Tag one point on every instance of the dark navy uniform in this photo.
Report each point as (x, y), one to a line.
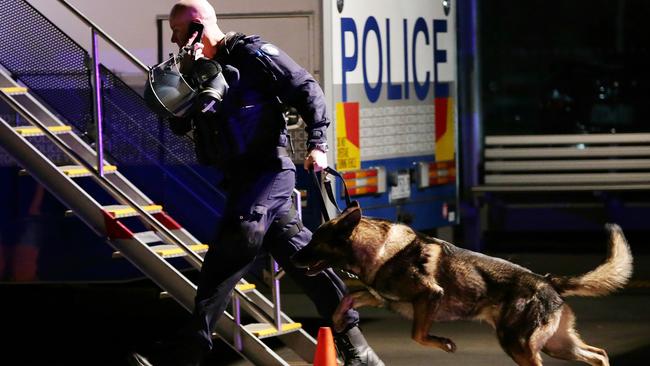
(260, 178)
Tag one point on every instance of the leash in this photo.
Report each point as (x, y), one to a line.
(328, 189)
(330, 194)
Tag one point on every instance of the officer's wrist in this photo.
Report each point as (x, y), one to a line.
(321, 147)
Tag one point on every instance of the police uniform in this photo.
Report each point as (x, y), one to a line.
(251, 149)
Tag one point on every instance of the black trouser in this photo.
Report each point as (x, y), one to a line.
(254, 203)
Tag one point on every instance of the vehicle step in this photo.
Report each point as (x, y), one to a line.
(264, 330)
(78, 171)
(148, 237)
(32, 131)
(122, 211)
(171, 251)
(14, 90)
(246, 287)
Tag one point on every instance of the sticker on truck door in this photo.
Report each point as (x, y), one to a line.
(348, 153)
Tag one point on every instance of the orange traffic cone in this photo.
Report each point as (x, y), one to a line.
(325, 352)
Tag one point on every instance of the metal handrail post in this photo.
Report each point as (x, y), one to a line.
(236, 314)
(275, 285)
(97, 102)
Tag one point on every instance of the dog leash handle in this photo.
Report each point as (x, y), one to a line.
(316, 181)
(329, 190)
(348, 201)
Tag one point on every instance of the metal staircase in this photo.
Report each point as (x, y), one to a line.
(121, 223)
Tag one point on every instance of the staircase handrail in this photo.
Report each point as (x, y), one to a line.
(105, 36)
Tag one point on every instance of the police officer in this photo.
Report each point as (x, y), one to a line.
(252, 144)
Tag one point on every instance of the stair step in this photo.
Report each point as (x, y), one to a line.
(171, 251)
(246, 287)
(31, 131)
(148, 237)
(78, 171)
(120, 211)
(264, 330)
(14, 90)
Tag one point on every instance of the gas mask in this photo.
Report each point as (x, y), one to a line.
(172, 93)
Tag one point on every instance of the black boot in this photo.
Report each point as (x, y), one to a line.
(353, 348)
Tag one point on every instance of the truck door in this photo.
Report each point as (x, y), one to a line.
(390, 76)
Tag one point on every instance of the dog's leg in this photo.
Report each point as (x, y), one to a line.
(424, 313)
(354, 300)
(520, 334)
(521, 349)
(566, 344)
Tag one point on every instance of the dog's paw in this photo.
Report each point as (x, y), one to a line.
(448, 345)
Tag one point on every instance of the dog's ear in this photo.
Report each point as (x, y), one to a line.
(349, 218)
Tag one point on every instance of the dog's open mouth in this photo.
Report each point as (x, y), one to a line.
(316, 268)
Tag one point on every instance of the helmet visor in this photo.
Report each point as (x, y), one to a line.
(166, 91)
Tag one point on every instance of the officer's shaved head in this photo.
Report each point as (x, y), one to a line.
(194, 10)
(186, 11)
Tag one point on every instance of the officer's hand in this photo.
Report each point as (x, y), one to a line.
(197, 49)
(317, 159)
(195, 53)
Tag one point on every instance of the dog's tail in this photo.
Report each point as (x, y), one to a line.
(606, 278)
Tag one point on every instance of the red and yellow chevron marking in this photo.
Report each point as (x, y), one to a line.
(444, 120)
(348, 152)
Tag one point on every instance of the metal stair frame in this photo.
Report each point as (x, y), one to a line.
(90, 212)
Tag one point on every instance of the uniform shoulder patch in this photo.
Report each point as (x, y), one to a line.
(270, 49)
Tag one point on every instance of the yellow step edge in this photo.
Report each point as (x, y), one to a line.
(126, 211)
(246, 287)
(35, 131)
(176, 251)
(170, 251)
(243, 288)
(75, 171)
(78, 171)
(14, 90)
(268, 330)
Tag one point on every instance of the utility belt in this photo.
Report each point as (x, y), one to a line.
(254, 162)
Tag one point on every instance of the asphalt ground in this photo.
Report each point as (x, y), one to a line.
(99, 324)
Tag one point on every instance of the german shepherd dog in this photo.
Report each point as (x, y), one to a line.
(427, 279)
